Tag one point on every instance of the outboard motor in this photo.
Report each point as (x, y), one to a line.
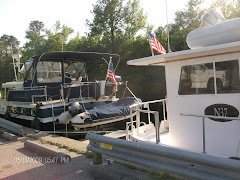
(75, 108)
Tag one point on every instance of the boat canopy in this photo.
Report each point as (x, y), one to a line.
(76, 56)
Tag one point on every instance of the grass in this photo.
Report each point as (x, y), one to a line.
(163, 176)
(89, 155)
(43, 141)
(129, 166)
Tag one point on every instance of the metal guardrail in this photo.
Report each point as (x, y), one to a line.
(172, 160)
(13, 127)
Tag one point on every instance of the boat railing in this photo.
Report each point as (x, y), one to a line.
(91, 90)
(44, 88)
(203, 124)
(35, 96)
(144, 107)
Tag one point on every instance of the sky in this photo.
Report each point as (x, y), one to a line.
(15, 15)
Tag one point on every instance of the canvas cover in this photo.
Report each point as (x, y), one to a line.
(113, 109)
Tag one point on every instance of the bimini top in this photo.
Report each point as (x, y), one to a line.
(77, 56)
(160, 60)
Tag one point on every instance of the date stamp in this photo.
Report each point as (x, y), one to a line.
(45, 160)
(27, 160)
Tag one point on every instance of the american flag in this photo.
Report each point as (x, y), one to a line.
(155, 44)
(111, 73)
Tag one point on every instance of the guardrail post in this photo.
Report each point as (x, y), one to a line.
(97, 158)
(157, 125)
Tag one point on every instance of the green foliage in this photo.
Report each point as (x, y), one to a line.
(163, 176)
(8, 46)
(129, 166)
(57, 37)
(229, 8)
(185, 21)
(115, 23)
(36, 40)
(35, 28)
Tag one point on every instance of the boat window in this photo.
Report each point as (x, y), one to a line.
(73, 69)
(197, 79)
(227, 76)
(30, 74)
(26, 70)
(49, 72)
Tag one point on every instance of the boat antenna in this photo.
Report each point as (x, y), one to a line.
(105, 60)
(117, 63)
(169, 50)
(62, 39)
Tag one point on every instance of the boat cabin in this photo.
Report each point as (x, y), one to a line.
(55, 75)
(202, 84)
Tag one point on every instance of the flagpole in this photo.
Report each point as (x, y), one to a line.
(108, 67)
(150, 44)
(169, 50)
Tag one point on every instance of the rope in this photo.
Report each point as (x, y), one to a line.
(133, 95)
(124, 91)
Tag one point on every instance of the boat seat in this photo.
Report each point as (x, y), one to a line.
(56, 79)
(145, 130)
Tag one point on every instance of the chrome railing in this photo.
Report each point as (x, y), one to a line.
(43, 95)
(137, 108)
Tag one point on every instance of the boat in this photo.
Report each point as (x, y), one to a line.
(201, 110)
(214, 30)
(51, 83)
(104, 114)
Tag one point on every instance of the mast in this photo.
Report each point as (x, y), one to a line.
(150, 43)
(169, 50)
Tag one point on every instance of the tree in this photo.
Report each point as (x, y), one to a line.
(107, 20)
(114, 22)
(229, 8)
(57, 38)
(35, 27)
(185, 21)
(8, 45)
(134, 19)
(36, 39)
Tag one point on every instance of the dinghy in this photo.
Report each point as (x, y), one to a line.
(214, 30)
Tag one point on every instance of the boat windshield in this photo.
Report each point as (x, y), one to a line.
(25, 68)
(74, 69)
(51, 72)
(48, 72)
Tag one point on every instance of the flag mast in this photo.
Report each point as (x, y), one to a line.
(169, 50)
(150, 43)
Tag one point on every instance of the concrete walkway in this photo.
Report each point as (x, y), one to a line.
(18, 162)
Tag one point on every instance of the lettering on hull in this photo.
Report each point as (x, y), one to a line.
(223, 110)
